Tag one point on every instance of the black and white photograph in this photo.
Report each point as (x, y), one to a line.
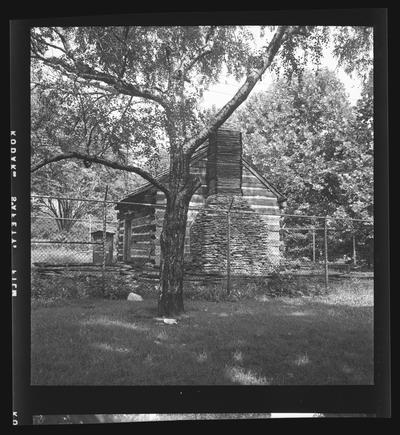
(202, 207)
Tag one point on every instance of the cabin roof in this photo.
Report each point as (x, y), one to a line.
(199, 154)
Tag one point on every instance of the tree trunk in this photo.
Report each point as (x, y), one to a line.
(181, 185)
(172, 242)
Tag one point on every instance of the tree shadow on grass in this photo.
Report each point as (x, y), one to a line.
(271, 343)
(325, 344)
(299, 345)
(140, 310)
(302, 345)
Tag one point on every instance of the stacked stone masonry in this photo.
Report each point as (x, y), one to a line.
(253, 241)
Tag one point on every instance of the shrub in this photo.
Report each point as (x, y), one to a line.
(56, 287)
(212, 292)
(80, 285)
(119, 287)
(280, 284)
(241, 289)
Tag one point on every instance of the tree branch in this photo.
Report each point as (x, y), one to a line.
(89, 141)
(54, 46)
(281, 34)
(204, 50)
(85, 71)
(195, 60)
(105, 162)
(210, 33)
(116, 125)
(65, 43)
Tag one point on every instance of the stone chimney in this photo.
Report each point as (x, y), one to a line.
(224, 163)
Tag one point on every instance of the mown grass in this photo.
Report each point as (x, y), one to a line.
(316, 340)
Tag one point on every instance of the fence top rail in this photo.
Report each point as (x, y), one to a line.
(72, 219)
(163, 206)
(65, 242)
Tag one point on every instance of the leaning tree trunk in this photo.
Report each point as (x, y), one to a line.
(172, 243)
(182, 185)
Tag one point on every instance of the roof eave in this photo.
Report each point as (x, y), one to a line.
(202, 152)
(264, 181)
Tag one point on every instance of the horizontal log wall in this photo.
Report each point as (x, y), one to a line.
(260, 198)
(120, 239)
(142, 240)
(137, 246)
(257, 189)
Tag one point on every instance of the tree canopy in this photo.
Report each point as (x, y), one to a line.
(305, 136)
(126, 94)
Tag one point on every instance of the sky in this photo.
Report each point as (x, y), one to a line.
(222, 92)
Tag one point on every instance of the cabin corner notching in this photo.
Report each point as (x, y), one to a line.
(229, 182)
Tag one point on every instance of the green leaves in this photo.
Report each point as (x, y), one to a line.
(306, 138)
(106, 91)
(354, 49)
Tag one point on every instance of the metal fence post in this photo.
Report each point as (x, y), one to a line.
(90, 228)
(326, 251)
(103, 269)
(313, 243)
(354, 251)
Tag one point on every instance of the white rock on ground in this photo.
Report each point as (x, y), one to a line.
(170, 321)
(167, 321)
(134, 297)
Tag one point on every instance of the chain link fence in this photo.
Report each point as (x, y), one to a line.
(82, 239)
(67, 240)
(334, 245)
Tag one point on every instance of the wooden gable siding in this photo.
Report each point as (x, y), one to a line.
(265, 202)
(260, 198)
(199, 168)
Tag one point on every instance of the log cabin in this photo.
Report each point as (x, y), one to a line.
(229, 183)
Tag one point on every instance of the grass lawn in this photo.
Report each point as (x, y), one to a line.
(280, 341)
